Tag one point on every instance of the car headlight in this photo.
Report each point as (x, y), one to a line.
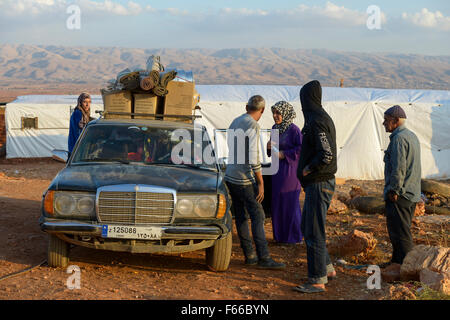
(64, 204)
(185, 207)
(86, 205)
(196, 206)
(205, 206)
(77, 205)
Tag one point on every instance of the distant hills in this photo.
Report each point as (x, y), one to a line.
(270, 66)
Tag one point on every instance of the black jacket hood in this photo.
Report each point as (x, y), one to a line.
(311, 97)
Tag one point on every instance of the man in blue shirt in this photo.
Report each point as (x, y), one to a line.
(79, 119)
(402, 176)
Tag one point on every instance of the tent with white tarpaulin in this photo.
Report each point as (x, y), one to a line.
(37, 124)
(356, 112)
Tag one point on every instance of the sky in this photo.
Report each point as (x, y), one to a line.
(399, 26)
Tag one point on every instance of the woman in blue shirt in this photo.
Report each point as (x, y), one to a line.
(79, 119)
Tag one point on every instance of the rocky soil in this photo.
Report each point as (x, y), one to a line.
(109, 275)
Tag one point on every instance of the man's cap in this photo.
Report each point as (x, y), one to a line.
(396, 112)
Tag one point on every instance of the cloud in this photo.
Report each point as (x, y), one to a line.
(149, 8)
(428, 19)
(302, 15)
(340, 15)
(30, 7)
(243, 12)
(49, 7)
(111, 7)
(337, 13)
(176, 12)
(330, 15)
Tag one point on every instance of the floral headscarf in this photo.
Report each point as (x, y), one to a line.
(86, 117)
(287, 114)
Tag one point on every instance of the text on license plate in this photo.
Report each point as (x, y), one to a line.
(131, 232)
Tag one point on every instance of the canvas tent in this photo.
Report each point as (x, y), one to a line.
(37, 124)
(357, 114)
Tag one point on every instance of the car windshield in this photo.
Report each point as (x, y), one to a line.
(139, 144)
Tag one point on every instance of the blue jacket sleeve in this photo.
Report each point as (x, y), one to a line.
(74, 129)
(398, 166)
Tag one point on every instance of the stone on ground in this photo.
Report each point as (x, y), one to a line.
(354, 243)
(436, 259)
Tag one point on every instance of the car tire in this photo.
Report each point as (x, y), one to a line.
(219, 255)
(58, 252)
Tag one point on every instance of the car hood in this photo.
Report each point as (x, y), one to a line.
(91, 177)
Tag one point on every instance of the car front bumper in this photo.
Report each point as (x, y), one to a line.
(174, 239)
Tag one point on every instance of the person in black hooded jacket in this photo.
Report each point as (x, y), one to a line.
(318, 156)
(316, 172)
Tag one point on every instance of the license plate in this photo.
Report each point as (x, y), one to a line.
(131, 232)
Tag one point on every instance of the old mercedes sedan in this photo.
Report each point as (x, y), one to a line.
(140, 186)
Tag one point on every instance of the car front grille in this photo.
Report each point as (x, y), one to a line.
(134, 207)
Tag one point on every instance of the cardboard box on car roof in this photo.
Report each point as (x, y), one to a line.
(146, 103)
(117, 101)
(180, 99)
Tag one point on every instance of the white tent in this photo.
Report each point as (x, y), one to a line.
(357, 114)
(358, 117)
(52, 114)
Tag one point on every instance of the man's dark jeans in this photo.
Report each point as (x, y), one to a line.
(317, 201)
(398, 220)
(244, 198)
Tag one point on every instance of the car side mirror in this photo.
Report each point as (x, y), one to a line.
(60, 155)
(222, 164)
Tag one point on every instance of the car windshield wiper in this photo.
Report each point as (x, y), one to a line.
(190, 165)
(195, 166)
(104, 160)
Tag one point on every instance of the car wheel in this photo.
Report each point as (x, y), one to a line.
(218, 256)
(58, 252)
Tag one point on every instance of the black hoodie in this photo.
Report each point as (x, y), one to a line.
(319, 138)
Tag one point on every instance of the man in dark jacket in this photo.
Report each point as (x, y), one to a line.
(316, 170)
(402, 176)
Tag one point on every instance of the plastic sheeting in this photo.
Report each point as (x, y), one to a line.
(53, 113)
(357, 114)
(358, 117)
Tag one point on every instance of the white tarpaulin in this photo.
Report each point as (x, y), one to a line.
(358, 117)
(53, 116)
(357, 114)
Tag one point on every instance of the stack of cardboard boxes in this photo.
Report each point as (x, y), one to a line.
(180, 100)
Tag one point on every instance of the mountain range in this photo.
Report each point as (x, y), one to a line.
(46, 65)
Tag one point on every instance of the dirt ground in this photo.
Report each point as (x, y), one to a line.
(110, 275)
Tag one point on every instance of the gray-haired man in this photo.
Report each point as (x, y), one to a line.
(245, 182)
(402, 182)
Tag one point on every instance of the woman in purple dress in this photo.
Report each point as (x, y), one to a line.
(286, 213)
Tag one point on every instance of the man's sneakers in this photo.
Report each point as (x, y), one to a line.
(309, 288)
(251, 261)
(269, 263)
(266, 263)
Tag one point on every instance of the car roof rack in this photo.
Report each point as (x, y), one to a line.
(156, 116)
